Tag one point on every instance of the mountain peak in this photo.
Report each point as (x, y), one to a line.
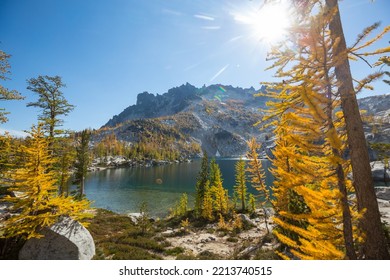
(176, 100)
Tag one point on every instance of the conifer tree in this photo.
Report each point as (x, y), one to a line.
(375, 243)
(213, 170)
(207, 208)
(181, 206)
(385, 60)
(240, 188)
(252, 203)
(308, 209)
(64, 160)
(51, 100)
(220, 194)
(301, 163)
(5, 153)
(82, 162)
(38, 204)
(257, 176)
(309, 94)
(6, 94)
(201, 184)
(183, 203)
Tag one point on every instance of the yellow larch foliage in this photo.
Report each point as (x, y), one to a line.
(219, 193)
(207, 208)
(315, 217)
(257, 176)
(36, 203)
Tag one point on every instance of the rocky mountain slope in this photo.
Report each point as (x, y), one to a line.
(218, 118)
(376, 118)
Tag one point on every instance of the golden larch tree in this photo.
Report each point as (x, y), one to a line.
(36, 203)
(257, 176)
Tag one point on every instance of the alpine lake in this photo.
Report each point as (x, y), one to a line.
(123, 190)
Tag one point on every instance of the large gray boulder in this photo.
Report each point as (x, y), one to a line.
(65, 240)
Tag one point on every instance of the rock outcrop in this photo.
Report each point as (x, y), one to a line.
(65, 240)
(383, 193)
(378, 172)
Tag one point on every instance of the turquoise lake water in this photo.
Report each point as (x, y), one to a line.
(124, 189)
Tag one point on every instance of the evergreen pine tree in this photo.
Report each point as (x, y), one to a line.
(213, 170)
(201, 184)
(240, 188)
(51, 100)
(82, 162)
(6, 94)
(65, 155)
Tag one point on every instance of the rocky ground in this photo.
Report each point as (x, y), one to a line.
(209, 239)
(245, 244)
(193, 242)
(383, 195)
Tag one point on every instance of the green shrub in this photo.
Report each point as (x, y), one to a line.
(174, 251)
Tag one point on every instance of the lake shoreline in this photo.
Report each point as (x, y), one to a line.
(111, 162)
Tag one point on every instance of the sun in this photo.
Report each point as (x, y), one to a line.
(269, 23)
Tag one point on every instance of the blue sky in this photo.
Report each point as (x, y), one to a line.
(109, 51)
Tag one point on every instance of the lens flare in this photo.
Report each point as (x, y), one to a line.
(270, 23)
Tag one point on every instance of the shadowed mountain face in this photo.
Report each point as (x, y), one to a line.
(218, 118)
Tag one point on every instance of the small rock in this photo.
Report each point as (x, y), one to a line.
(247, 251)
(246, 219)
(134, 217)
(383, 203)
(168, 232)
(383, 193)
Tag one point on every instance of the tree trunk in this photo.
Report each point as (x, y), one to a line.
(82, 187)
(341, 182)
(375, 243)
(347, 219)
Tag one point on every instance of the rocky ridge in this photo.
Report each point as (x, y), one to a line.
(220, 118)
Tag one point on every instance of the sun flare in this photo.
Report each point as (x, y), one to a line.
(269, 24)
